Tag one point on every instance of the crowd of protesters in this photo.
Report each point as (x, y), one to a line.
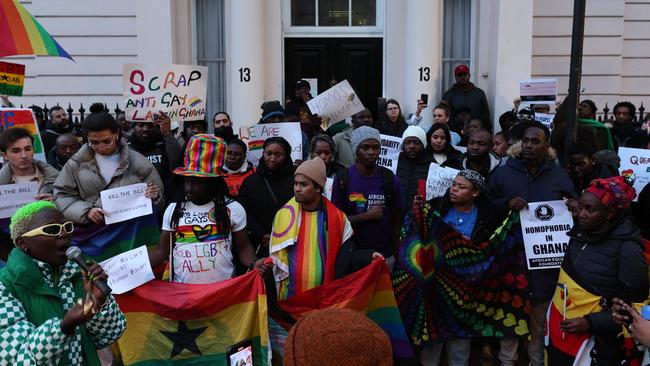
(195, 177)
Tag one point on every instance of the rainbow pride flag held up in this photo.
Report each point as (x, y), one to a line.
(21, 34)
(182, 324)
(101, 242)
(369, 291)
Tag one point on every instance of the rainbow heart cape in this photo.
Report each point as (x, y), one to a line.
(448, 286)
(183, 324)
(21, 34)
(368, 290)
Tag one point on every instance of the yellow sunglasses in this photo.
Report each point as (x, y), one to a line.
(51, 230)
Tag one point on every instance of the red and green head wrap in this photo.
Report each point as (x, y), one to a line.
(615, 192)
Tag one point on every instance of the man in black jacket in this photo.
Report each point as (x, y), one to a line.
(56, 126)
(413, 164)
(479, 156)
(465, 94)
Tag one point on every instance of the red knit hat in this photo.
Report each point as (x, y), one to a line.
(340, 337)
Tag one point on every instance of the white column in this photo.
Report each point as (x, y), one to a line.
(246, 61)
(422, 56)
(154, 30)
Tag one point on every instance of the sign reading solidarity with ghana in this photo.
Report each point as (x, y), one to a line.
(544, 226)
(178, 90)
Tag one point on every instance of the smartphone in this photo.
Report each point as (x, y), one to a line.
(424, 98)
(241, 354)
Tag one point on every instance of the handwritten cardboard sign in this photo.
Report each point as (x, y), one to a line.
(439, 180)
(635, 162)
(125, 203)
(178, 90)
(12, 78)
(391, 146)
(544, 226)
(23, 118)
(336, 103)
(128, 270)
(255, 135)
(15, 196)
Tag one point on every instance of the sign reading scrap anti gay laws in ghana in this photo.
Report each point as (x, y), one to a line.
(178, 90)
(12, 78)
(544, 226)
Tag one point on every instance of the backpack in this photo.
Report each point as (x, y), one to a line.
(386, 185)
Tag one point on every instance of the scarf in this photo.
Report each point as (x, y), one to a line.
(304, 246)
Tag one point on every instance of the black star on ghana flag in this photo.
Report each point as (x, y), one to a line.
(184, 338)
(4, 77)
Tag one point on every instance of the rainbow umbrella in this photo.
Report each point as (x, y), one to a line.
(21, 34)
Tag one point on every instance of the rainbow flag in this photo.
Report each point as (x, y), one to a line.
(369, 291)
(101, 242)
(12, 78)
(21, 34)
(23, 118)
(182, 324)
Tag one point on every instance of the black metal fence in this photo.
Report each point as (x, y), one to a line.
(605, 117)
(76, 118)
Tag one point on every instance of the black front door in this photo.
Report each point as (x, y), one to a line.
(330, 60)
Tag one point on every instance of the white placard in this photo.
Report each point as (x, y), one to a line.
(125, 203)
(537, 91)
(439, 180)
(545, 118)
(327, 191)
(336, 103)
(178, 90)
(313, 86)
(255, 135)
(128, 270)
(391, 146)
(544, 226)
(15, 196)
(636, 162)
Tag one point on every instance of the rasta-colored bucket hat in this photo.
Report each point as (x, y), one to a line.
(205, 156)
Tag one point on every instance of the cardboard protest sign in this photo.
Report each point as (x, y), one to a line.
(544, 226)
(439, 180)
(15, 196)
(336, 103)
(178, 90)
(12, 78)
(255, 135)
(635, 162)
(327, 190)
(128, 270)
(125, 203)
(537, 91)
(545, 118)
(391, 146)
(23, 118)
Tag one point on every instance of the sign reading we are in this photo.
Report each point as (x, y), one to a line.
(178, 90)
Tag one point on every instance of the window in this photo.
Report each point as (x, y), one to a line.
(334, 13)
(456, 38)
(211, 51)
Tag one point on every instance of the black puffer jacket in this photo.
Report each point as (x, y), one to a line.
(409, 172)
(608, 264)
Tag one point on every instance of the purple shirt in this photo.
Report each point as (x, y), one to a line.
(363, 193)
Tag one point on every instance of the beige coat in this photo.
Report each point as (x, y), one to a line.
(78, 187)
(48, 172)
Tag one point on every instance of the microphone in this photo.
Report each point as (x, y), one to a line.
(74, 254)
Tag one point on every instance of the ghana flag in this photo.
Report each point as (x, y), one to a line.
(368, 290)
(183, 324)
(12, 78)
(101, 242)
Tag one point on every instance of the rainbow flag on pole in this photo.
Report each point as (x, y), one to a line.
(369, 290)
(182, 324)
(21, 34)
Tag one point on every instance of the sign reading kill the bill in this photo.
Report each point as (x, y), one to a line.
(12, 78)
(544, 226)
(336, 103)
(178, 90)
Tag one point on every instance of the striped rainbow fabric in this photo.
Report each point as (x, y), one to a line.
(21, 34)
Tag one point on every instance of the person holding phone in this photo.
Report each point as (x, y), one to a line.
(416, 118)
(604, 260)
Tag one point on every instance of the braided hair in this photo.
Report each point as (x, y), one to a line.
(220, 198)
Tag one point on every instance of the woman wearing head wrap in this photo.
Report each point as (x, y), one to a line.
(44, 320)
(604, 259)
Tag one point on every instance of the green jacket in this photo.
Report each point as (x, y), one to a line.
(33, 306)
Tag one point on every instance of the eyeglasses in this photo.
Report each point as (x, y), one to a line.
(528, 117)
(50, 230)
(234, 154)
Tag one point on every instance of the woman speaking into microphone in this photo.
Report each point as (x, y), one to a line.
(50, 312)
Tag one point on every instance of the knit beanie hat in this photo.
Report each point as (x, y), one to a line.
(415, 131)
(339, 337)
(270, 109)
(362, 134)
(313, 169)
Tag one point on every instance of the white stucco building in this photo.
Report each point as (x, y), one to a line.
(255, 49)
